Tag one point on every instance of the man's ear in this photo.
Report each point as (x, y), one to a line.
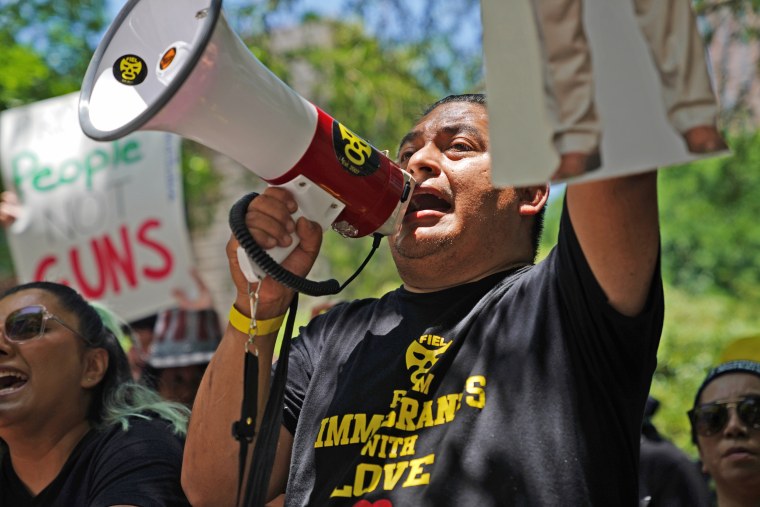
(95, 366)
(532, 199)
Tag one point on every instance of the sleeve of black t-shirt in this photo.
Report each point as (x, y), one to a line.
(620, 343)
(140, 466)
(614, 355)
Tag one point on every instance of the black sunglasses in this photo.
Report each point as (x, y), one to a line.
(29, 322)
(711, 418)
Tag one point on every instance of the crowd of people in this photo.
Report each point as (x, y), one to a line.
(487, 378)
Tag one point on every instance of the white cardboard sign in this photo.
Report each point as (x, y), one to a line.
(104, 217)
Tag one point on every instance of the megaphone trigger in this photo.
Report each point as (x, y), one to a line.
(246, 266)
(256, 263)
(314, 203)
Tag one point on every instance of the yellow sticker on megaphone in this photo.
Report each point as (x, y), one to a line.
(355, 154)
(130, 70)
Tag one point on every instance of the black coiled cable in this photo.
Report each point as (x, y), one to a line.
(272, 268)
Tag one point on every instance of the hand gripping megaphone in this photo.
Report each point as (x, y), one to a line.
(176, 66)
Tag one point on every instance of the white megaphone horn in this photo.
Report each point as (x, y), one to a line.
(176, 66)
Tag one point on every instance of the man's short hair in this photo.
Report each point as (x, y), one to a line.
(472, 98)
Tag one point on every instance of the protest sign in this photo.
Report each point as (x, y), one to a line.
(620, 80)
(106, 218)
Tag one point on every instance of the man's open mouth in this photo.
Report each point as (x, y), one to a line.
(427, 200)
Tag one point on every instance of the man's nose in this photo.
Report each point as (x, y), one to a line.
(425, 163)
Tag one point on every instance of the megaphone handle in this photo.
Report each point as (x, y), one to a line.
(252, 271)
(314, 203)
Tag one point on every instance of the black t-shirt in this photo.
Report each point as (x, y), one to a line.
(481, 395)
(140, 466)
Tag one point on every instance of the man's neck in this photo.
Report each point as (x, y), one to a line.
(434, 284)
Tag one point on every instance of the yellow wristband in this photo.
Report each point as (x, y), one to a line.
(263, 327)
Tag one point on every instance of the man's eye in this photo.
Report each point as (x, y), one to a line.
(461, 147)
(405, 155)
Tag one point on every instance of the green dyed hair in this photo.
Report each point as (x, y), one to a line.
(132, 399)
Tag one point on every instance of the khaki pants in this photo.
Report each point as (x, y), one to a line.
(669, 28)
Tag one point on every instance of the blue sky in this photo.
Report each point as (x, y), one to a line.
(327, 7)
(465, 29)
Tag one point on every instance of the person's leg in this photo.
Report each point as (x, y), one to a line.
(676, 47)
(569, 85)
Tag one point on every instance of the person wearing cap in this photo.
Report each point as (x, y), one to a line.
(183, 343)
(725, 426)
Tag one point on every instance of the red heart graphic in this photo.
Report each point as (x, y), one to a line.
(379, 503)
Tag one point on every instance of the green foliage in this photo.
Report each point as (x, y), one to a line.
(25, 74)
(443, 36)
(697, 328)
(46, 47)
(346, 255)
(710, 231)
(201, 186)
(551, 220)
(710, 244)
(377, 100)
(740, 8)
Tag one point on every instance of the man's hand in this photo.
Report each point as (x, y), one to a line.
(203, 301)
(270, 222)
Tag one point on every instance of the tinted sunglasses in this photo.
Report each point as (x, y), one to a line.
(711, 418)
(29, 323)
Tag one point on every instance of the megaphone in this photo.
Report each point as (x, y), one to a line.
(177, 66)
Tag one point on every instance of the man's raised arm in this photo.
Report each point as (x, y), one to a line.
(616, 222)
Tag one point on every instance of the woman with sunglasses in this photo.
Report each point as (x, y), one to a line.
(725, 425)
(75, 430)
